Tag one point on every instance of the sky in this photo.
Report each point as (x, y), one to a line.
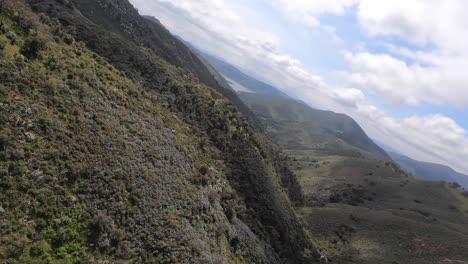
(399, 68)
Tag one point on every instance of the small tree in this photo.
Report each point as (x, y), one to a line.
(31, 48)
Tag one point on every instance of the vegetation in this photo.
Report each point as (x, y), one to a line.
(119, 144)
(110, 151)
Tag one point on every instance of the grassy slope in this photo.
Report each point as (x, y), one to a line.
(98, 166)
(358, 207)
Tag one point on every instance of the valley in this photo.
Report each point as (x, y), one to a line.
(122, 143)
(359, 206)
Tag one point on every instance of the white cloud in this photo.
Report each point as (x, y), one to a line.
(443, 82)
(434, 22)
(307, 11)
(332, 32)
(216, 26)
(433, 138)
(434, 74)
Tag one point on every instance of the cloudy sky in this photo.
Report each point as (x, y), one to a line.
(400, 68)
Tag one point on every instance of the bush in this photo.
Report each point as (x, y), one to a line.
(12, 37)
(102, 223)
(199, 179)
(40, 248)
(203, 170)
(2, 27)
(31, 48)
(68, 39)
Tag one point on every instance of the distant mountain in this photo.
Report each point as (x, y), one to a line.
(306, 127)
(222, 80)
(239, 80)
(429, 171)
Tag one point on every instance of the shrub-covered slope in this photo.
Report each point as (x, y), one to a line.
(111, 151)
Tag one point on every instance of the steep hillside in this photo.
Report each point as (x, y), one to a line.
(110, 151)
(429, 171)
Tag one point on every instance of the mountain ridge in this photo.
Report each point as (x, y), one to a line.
(239, 76)
(430, 171)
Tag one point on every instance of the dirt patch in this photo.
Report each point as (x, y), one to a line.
(426, 245)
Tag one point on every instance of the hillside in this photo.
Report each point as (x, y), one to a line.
(295, 125)
(358, 206)
(118, 145)
(429, 171)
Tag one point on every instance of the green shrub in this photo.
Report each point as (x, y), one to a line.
(32, 47)
(68, 39)
(203, 170)
(12, 37)
(3, 28)
(40, 249)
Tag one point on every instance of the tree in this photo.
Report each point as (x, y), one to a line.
(31, 48)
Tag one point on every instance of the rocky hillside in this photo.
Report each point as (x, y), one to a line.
(116, 144)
